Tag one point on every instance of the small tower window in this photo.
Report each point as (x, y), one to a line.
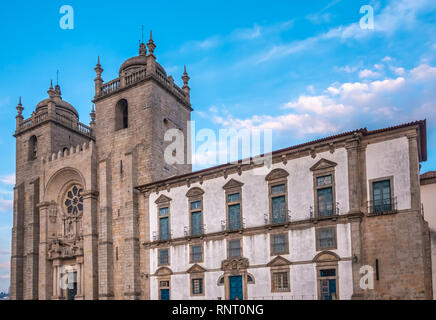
(121, 115)
(33, 148)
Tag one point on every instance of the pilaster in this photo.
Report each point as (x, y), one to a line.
(45, 274)
(90, 238)
(105, 244)
(415, 193)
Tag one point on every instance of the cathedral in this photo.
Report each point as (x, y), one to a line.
(99, 214)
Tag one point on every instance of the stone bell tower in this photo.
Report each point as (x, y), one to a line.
(53, 127)
(132, 114)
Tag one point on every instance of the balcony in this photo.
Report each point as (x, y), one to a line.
(162, 236)
(130, 80)
(276, 218)
(382, 207)
(43, 117)
(194, 231)
(232, 226)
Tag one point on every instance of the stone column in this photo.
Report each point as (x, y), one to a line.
(89, 222)
(32, 246)
(45, 277)
(16, 290)
(415, 193)
(79, 263)
(105, 242)
(353, 175)
(355, 171)
(131, 234)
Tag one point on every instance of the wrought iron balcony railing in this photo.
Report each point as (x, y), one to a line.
(232, 225)
(162, 236)
(383, 206)
(277, 217)
(195, 231)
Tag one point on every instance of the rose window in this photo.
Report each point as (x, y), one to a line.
(74, 200)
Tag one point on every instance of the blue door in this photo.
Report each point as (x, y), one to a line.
(328, 289)
(236, 288)
(165, 294)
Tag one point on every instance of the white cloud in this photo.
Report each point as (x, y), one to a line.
(398, 71)
(399, 15)
(301, 124)
(5, 277)
(423, 72)
(345, 103)
(6, 205)
(347, 69)
(247, 34)
(318, 18)
(318, 105)
(8, 179)
(367, 73)
(4, 265)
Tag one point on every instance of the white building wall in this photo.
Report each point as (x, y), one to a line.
(255, 205)
(428, 198)
(391, 158)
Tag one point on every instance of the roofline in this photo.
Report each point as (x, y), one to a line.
(422, 150)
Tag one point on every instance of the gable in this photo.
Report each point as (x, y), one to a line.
(163, 199)
(196, 269)
(326, 256)
(279, 262)
(163, 271)
(233, 184)
(276, 174)
(194, 192)
(323, 164)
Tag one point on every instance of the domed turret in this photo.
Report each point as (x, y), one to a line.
(62, 107)
(140, 62)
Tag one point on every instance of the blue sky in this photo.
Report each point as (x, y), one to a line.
(303, 69)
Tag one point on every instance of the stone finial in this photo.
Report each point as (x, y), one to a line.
(20, 108)
(98, 69)
(142, 49)
(92, 114)
(150, 45)
(186, 79)
(19, 117)
(51, 92)
(98, 79)
(58, 91)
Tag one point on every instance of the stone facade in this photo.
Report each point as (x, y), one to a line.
(87, 201)
(92, 251)
(393, 241)
(428, 195)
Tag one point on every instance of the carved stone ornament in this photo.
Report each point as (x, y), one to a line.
(162, 199)
(233, 184)
(323, 164)
(276, 174)
(65, 249)
(235, 264)
(194, 192)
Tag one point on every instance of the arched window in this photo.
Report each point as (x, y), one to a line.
(121, 115)
(33, 148)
